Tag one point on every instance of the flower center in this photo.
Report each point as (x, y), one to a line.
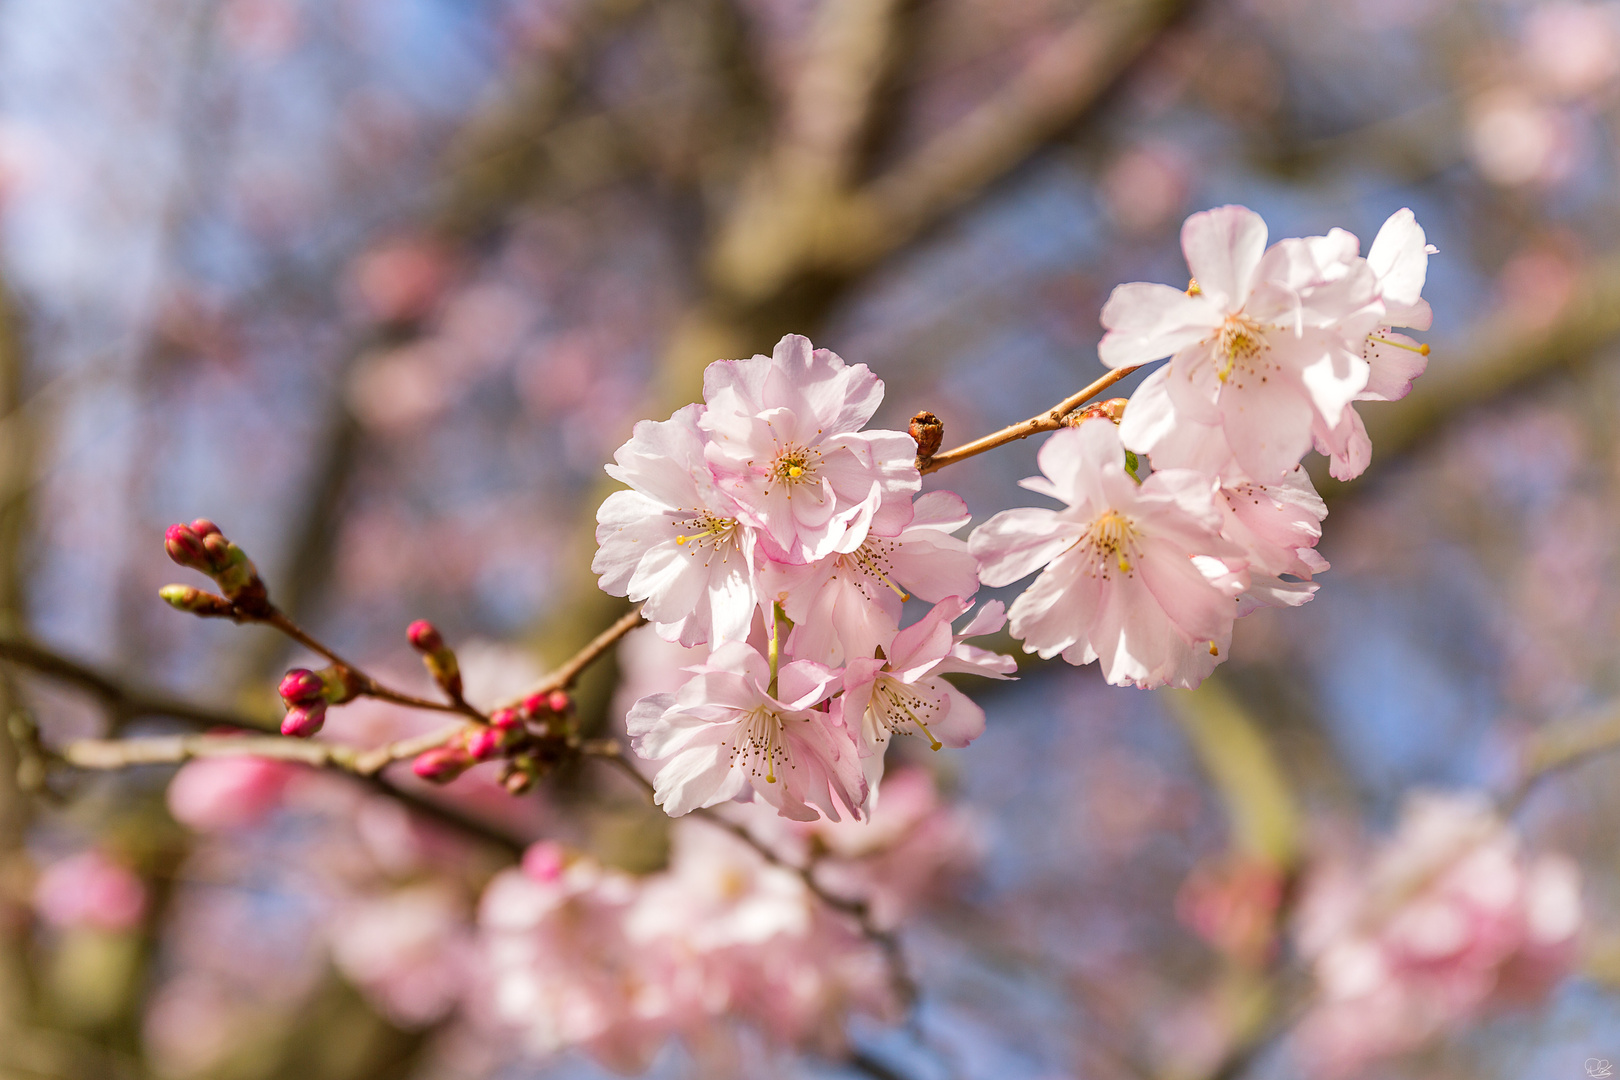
(714, 533)
(796, 464)
(760, 745)
(1113, 542)
(871, 560)
(1242, 341)
(896, 705)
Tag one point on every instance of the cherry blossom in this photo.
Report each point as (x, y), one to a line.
(1265, 346)
(674, 539)
(730, 728)
(786, 445)
(1451, 918)
(849, 603)
(903, 693)
(1136, 576)
(1400, 258)
(90, 890)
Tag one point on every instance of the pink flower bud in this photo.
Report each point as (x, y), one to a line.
(560, 702)
(185, 547)
(424, 637)
(302, 721)
(301, 686)
(484, 744)
(204, 527)
(505, 720)
(534, 706)
(544, 861)
(442, 764)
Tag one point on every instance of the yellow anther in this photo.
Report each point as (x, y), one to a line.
(1193, 288)
(1213, 651)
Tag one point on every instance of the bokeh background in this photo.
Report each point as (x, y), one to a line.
(379, 285)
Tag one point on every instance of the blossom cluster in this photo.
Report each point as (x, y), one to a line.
(583, 956)
(1269, 349)
(768, 524)
(1450, 919)
(771, 526)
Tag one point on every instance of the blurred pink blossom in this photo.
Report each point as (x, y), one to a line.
(411, 951)
(1448, 920)
(1146, 185)
(228, 793)
(90, 890)
(1517, 140)
(1571, 48)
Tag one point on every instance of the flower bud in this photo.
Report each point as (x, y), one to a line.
(534, 706)
(196, 602)
(484, 744)
(505, 720)
(203, 528)
(929, 431)
(301, 686)
(442, 764)
(424, 637)
(560, 702)
(302, 721)
(439, 658)
(185, 547)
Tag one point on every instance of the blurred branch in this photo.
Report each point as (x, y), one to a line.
(103, 754)
(1051, 92)
(1563, 746)
(1235, 754)
(121, 701)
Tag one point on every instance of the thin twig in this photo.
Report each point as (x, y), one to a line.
(564, 676)
(1050, 420)
(118, 699)
(1561, 747)
(368, 685)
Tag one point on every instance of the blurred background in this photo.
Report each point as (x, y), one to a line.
(379, 285)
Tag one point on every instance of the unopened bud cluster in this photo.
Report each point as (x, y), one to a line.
(308, 693)
(201, 546)
(439, 658)
(533, 736)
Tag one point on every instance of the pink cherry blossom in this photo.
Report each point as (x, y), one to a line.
(1265, 348)
(1450, 919)
(1277, 526)
(786, 445)
(849, 604)
(563, 973)
(1136, 576)
(1399, 257)
(674, 539)
(729, 729)
(410, 951)
(903, 692)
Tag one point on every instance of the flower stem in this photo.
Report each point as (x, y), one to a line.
(776, 642)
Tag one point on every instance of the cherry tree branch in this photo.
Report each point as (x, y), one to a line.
(569, 671)
(1050, 420)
